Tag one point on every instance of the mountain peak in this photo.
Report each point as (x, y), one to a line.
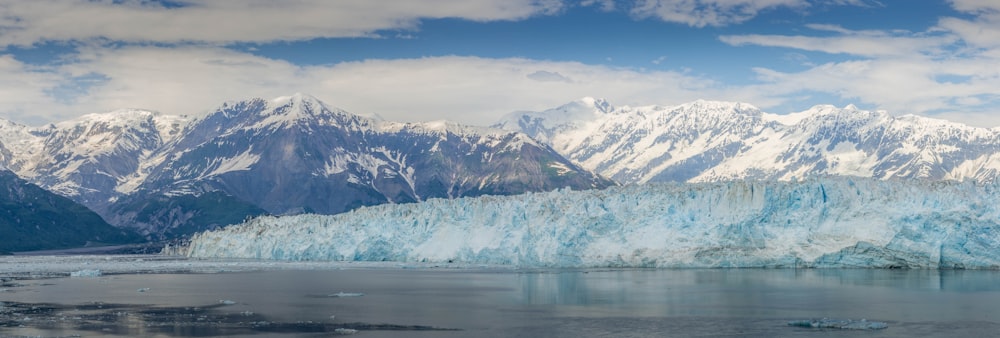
(296, 109)
(298, 99)
(702, 104)
(119, 117)
(590, 102)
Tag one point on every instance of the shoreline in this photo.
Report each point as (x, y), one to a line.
(61, 265)
(122, 249)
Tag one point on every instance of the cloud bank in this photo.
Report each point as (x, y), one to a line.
(176, 58)
(189, 80)
(30, 22)
(949, 70)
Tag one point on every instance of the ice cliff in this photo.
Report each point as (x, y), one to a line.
(827, 222)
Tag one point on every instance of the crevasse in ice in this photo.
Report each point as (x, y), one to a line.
(826, 222)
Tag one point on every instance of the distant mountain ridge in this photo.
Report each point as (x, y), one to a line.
(169, 176)
(713, 141)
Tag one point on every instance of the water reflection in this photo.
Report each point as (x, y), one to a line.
(745, 292)
(504, 303)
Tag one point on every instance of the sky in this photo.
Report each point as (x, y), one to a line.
(472, 61)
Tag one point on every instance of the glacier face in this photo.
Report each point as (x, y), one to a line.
(827, 222)
(715, 141)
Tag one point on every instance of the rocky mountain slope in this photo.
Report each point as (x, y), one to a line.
(32, 218)
(88, 158)
(170, 175)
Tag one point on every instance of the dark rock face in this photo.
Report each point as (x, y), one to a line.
(32, 218)
(182, 215)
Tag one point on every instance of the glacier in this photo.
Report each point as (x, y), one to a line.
(823, 222)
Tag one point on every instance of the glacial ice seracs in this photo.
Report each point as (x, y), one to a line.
(824, 222)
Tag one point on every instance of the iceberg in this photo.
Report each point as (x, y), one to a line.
(345, 294)
(86, 273)
(822, 222)
(844, 324)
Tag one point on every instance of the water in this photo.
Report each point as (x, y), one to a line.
(555, 303)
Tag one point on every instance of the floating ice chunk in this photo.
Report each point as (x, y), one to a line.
(86, 273)
(227, 302)
(845, 324)
(142, 290)
(346, 294)
(343, 331)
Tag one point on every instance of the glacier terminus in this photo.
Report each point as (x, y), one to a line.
(819, 222)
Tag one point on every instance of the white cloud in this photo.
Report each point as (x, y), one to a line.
(193, 79)
(981, 33)
(950, 70)
(21, 88)
(861, 43)
(980, 118)
(604, 5)
(978, 7)
(30, 22)
(542, 75)
(702, 13)
(961, 89)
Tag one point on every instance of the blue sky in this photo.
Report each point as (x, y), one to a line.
(474, 60)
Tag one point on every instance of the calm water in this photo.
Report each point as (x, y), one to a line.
(559, 303)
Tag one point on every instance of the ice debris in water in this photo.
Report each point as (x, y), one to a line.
(845, 324)
(346, 294)
(85, 273)
(142, 290)
(343, 331)
(226, 302)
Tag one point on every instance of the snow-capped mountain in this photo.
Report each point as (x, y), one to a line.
(87, 158)
(826, 222)
(171, 175)
(711, 141)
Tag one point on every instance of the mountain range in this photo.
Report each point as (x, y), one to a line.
(168, 176)
(716, 141)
